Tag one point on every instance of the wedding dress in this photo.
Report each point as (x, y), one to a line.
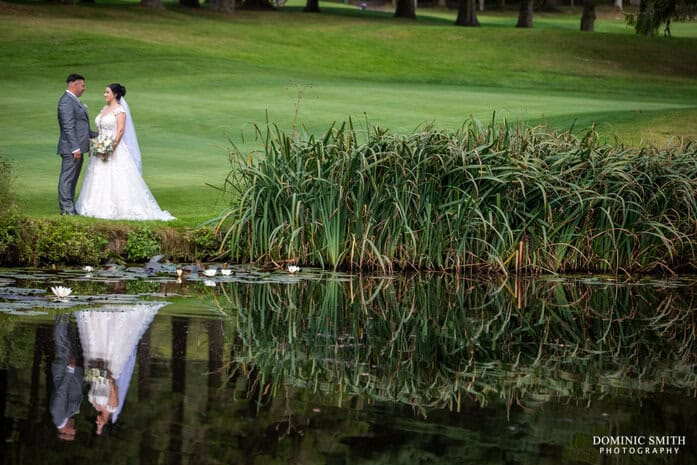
(111, 333)
(114, 189)
(109, 336)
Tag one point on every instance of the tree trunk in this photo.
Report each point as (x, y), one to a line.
(151, 3)
(222, 6)
(405, 9)
(481, 5)
(618, 5)
(312, 6)
(467, 14)
(588, 16)
(189, 3)
(549, 5)
(502, 5)
(257, 5)
(525, 13)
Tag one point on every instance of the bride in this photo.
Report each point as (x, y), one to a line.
(113, 187)
(109, 336)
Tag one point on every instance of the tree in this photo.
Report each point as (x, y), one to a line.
(467, 14)
(257, 5)
(655, 13)
(222, 6)
(406, 9)
(312, 6)
(189, 3)
(151, 3)
(588, 16)
(525, 13)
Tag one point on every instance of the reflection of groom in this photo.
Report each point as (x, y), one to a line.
(74, 141)
(67, 381)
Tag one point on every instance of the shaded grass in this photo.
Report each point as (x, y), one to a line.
(196, 78)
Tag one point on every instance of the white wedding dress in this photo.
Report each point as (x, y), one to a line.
(110, 335)
(114, 189)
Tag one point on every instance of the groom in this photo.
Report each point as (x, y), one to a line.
(74, 141)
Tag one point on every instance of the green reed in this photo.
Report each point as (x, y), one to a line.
(482, 198)
(437, 341)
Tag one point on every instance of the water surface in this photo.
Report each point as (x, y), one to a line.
(322, 368)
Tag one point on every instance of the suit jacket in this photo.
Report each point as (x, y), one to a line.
(67, 393)
(74, 123)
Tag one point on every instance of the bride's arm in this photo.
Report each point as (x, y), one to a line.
(120, 127)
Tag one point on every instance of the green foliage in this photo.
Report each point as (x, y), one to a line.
(486, 198)
(33, 241)
(141, 244)
(204, 242)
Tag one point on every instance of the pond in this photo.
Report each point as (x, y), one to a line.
(265, 367)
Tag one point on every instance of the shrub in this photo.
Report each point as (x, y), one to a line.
(486, 198)
(35, 241)
(141, 244)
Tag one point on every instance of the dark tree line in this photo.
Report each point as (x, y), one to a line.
(652, 15)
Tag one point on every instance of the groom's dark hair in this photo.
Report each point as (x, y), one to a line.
(74, 77)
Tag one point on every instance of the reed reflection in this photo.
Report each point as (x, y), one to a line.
(436, 341)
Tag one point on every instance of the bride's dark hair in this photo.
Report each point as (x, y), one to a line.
(118, 90)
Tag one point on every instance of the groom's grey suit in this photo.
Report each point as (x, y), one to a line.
(67, 381)
(75, 134)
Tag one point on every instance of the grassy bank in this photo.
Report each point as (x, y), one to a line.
(196, 79)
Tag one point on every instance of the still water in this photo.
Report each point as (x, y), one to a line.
(321, 368)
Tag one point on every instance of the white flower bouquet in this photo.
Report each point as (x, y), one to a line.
(102, 146)
(99, 375)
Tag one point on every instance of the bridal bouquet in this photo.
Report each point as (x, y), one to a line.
(102, 146)
(96, 374)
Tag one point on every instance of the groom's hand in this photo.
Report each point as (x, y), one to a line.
(77, 154)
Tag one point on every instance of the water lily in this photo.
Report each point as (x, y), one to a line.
(293, 269)
(226, 272)
(61, 292)
(180, 272)
(210, 272)
(88, 269)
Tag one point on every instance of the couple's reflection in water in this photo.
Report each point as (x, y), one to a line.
(100, 362)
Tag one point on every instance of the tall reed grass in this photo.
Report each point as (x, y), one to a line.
(485, 198)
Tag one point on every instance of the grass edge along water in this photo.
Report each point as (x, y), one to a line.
(482, 198)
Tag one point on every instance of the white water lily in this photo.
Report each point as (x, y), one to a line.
(180, 272)
(61, 292)
(293, 269)
(226, 272)
(88, 269)
(210, 272)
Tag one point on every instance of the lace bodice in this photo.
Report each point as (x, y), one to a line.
(106, 123)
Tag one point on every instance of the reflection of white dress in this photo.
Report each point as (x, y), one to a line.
(111, 333)
(114, 189)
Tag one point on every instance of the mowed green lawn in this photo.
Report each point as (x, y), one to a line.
(196, 80)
